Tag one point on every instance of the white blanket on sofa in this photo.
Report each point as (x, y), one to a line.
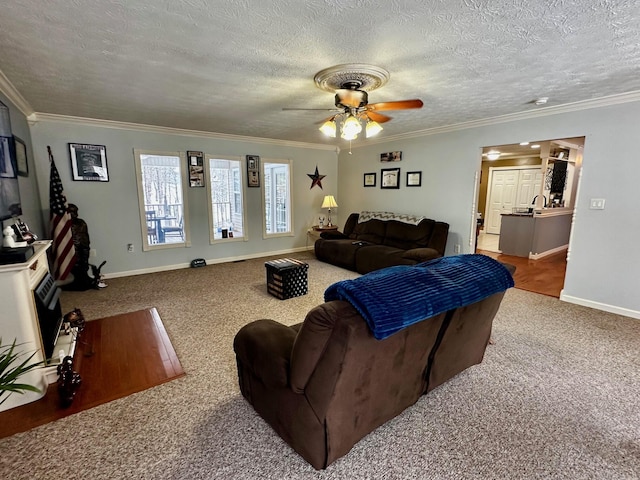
(412, 219)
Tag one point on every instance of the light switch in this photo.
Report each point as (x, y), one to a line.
(597, 204)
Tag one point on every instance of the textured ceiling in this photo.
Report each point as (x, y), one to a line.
(230, 66)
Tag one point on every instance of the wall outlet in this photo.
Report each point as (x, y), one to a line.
(92, 253)
(130, 247)
(596, 204)
(456, 248)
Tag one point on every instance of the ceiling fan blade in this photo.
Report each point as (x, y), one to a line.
(377, 117)
(315, 109)
(399, 105)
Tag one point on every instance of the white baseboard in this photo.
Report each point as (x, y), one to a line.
(178, 266)
(600, 306)
(536, 256)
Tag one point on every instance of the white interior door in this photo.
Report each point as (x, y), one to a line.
(502, 197)
(529, 185)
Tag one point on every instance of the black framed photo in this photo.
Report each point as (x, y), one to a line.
(195, 161)
(21, 157)
(414, 179)
(370, 179)
(253, 170)
(89, 162)
(390, 178)
(391, 156)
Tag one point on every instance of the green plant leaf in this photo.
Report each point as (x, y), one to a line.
(10, 371)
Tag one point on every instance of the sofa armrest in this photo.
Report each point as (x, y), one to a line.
(333, 235)
(421, 254)
(264, 347)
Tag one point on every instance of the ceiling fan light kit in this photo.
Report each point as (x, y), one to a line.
(351, 83)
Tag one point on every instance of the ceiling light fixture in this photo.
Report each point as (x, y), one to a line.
(350, 125)
(535, 145)
(524, 143)
(541, 101)
(493, 155)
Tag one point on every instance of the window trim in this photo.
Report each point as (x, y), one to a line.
(291, 231)
(146, 247)
(243, 191)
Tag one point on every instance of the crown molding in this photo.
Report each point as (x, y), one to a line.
(511, 117)
(96, 122)
(12, 93)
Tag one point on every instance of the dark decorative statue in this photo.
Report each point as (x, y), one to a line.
(82, 243)
(68, 381)
(75, 318)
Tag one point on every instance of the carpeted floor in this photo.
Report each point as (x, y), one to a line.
(557, 396)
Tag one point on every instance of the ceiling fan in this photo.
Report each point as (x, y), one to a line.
(351, 82)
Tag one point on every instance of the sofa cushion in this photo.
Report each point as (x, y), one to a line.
(311, 342)
(341, 253)
(372, 231)
(406, 236)
(421, 254)
(264, 347)
(375, 257)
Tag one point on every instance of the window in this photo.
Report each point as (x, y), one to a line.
(226, 193)
(277, 197)
(161, 185)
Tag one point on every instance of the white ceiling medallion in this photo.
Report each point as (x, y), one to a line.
(348, 75)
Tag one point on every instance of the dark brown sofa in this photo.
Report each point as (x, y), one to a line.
(365, 246)
(326, 383)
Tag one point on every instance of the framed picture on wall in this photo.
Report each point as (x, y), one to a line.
(390, 178)
(414, 179)
(391, 156)
(370, 179)
(89, 162)
(21, 157)
(253, 170)
(195, 161)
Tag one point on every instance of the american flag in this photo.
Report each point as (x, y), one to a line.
(64, 253)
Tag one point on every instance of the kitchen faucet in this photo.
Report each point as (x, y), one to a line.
(533, 202)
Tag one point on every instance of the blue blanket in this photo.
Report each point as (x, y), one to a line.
(396, 297)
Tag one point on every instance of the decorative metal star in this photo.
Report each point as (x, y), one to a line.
(316, 178)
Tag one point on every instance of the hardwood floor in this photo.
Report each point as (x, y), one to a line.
(545, 276)
(116, 356)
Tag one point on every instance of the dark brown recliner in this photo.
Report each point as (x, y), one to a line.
(326, 383)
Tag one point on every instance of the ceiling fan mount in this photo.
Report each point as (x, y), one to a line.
(348, 75)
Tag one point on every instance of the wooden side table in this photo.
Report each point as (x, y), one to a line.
(318, 228)
(314, 232)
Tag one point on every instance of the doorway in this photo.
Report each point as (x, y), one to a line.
(512, 178)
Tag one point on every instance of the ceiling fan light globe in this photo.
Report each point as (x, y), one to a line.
(351, 126)
(373, 128)
(329, 128)
(348, 136)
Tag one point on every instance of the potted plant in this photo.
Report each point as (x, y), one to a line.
(11, 369)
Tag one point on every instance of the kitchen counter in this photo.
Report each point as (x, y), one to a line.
(537, 234)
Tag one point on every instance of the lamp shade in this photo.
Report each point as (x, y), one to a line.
(373, 128)
(329, 202)
(329, 128)
(351, 128)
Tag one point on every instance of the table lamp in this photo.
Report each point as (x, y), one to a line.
(329, 202)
